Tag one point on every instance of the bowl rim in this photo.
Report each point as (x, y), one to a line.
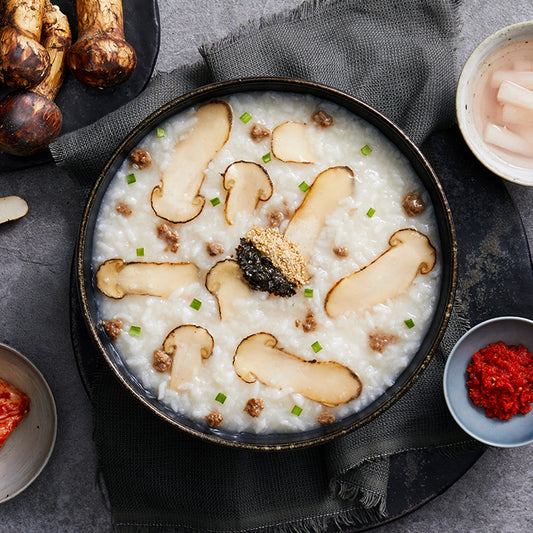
(507, 171)
(446, 379)
(53, 408)
(386, 127)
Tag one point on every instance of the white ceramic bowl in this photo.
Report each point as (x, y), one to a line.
(466, 95)
(29, 446)
(517, 431)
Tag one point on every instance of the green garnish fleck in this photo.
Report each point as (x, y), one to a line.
(215, 201)
(221, 398)
(370, 212)
(409, 323)
(245, 117)
(135, 331)
(304, 187)
(267, 158)
(196, 304)
(140, 252)
(308, 293)
(316, 346)
(296, 410)
(130, 178)
(366, 149)
(160, 132)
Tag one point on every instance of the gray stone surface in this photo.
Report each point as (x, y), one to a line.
(36, 253)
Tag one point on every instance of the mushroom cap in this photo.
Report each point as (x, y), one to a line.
(28, 122)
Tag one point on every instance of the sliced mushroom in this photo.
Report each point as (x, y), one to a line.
(225, 281)
(188, 345)
(247, 184)
(177, 198)
(258, 358)
(12, 208)
(389, 275)
(116, 278)
(290, 143)
(328, 189)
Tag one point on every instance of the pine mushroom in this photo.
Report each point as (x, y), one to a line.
(247, 184)
(101, 57)
(177, 198)
(30, 120)
(258, 358)
(12, 208)
(388, 276)
(116, 278)
(24, 61)
(290, 143)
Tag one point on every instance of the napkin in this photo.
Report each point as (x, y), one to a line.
(397, 56)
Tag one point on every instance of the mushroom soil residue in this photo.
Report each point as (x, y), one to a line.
(218, 299)
(501, 380)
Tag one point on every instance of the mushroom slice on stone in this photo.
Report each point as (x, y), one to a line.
(225, 281)
(258, 358)
(247, 184)
(328, 189)
(12, 208)
(177, 197)
(116, 278)
(188, 345)
(388, 276)
(290, 143)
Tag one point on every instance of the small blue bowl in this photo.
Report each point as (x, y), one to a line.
(517, 431)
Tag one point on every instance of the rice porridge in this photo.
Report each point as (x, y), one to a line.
(246, 239)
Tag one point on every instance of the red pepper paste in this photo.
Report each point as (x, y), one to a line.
(501, 380)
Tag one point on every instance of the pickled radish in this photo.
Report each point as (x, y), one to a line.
(511, 93)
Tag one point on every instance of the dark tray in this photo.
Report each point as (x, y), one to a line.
(82, 105)
(495, 278)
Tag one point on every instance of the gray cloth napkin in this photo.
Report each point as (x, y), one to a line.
(397, 56)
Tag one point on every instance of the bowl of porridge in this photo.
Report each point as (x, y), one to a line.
(267, 263)
(494, 103)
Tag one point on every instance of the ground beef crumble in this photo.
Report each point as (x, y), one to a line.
(162, 361)
(113, 328)
(413, 204)
(378, 341)
(254, 406)
(259, 132)
(341, 251)
(140, 159)
(325, 418)
(309, 323)
(170, 236)
(322, 119)
(214, 419)
(124, 209)
(214, 248)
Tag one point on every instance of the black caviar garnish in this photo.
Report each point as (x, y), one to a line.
(259, 271)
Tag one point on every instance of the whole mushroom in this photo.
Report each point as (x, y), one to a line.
(30, 120)
(101, 57)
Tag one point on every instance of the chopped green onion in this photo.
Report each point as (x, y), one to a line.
(245, 117)
(135, 331)
(370, 212)
(215, 201)
(130, 178)
(160, 132)
(267, 158)
(366, 149)
(296, 410)
(308, 293)
(220, 397)
(304, 187)
(140, 252)
(316, 346)
(409, 323)
(196, 304)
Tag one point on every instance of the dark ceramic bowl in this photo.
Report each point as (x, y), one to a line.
(274, 441)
